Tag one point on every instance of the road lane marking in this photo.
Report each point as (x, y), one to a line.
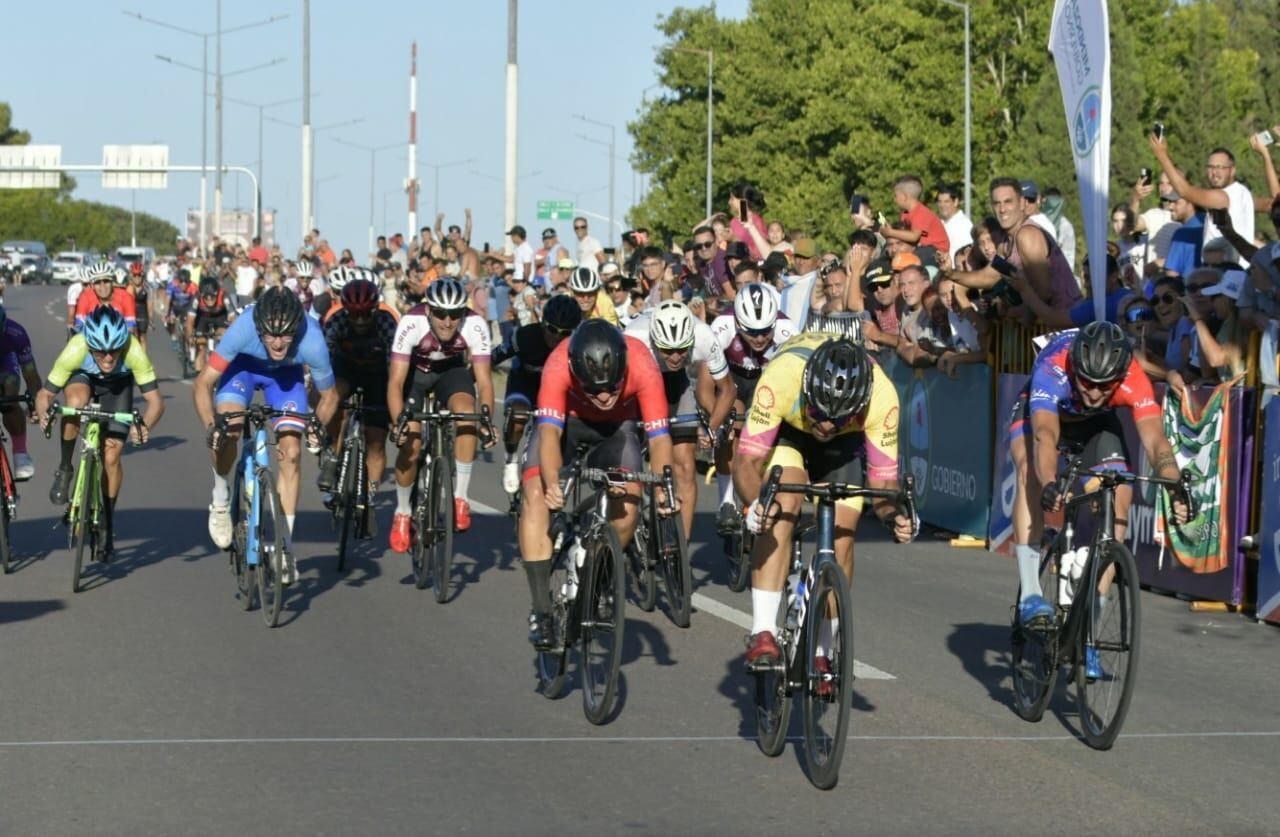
(732, 615)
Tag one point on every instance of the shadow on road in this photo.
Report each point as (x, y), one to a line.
(24, 610)
(641, 635)
(983, 649)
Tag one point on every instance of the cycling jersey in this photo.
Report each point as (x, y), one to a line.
(215, 310)
(743, 361)
(76, 358)
(308, 348)
(15, 347)
(1052, 388)
(367, 350)
(181, 293)
(706, 349)
(605, 309)
(121, 300)
(641, 396)
(527, 349)
(416, 343)
(777, 402)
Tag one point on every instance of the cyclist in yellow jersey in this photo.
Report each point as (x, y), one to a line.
(101, 365)
(584, 284)
(819, 405)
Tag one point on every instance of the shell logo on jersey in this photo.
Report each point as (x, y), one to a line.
(765, 397)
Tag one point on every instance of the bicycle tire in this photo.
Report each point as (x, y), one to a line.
(677, 574)
(1034, 653)
(442, 548)
(270, 563)
(773, 708)
(81, 532)
(603, 629)
(644, 580)
(1117, 635)
(246, 583)
(10, 489)
(553, 666)
(421, 499)
(737, 550)
(346, 501)
(824, 748)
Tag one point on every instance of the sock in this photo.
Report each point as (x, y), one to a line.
(20, 442)
(68, 448)
(539, 575)
(404, 504)
(511, 453)
(764, 610)
(109, 503)
(725, 484)
(1028, 570)
(464, 480)
(221, 491)
(288, 530)
(826, 636)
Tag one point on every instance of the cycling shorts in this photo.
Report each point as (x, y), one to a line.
(114, 394)
(835, 460)
(206, 324)
(443, 385)
(682, 406)
(283, 388)
(1101, 434)
(522, 388)
(374, 380)
(746, 389)
(614, 445)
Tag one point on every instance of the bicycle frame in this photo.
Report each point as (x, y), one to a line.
(254, 465)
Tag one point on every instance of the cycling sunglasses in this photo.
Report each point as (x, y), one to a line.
(595, 389)
(817, 417)
(558, 332)
(448, 313)
(756, 332)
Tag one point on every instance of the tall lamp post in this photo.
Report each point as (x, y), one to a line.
(612, 144)
(711, 59)
(968, 107)
(373, 153)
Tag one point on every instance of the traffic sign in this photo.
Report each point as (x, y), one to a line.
(135, 166)
(35, 157)
(555, 210)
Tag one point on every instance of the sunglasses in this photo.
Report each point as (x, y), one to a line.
(1093, 386)
(602, 390)
(1139, 314)
(818, 417)
(756, 332)
(557, 332)
(1166, 299)
(576, 227)
(705, 245)
(613, 289)
(448, 313)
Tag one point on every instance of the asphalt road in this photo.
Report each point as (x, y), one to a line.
(151, 704)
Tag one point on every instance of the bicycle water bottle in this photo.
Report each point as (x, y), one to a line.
(577, 556)
(1070, 565)
(795, 601)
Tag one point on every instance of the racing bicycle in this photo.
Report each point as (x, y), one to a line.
(8, 483)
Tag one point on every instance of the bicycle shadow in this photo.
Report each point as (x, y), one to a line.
(318, 572)
(160, 443)
(639, 636)
(983, 649)
(21, 611)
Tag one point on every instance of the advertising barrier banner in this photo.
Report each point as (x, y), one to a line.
(945, 442)
(1269, 533)
(1001, 514)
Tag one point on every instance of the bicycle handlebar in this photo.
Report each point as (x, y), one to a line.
(92, 412)
(445, 416)
(259, 414)
(1108, 478)
(904, 497)
(25, 398)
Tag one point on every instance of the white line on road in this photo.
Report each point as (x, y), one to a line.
(732, 615)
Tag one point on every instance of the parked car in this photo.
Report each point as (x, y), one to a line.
(66, 266)
(35, 269)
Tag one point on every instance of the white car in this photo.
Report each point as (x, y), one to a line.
(67, 266)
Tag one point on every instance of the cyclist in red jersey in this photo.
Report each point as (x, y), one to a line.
(596, 388)
(102, 284)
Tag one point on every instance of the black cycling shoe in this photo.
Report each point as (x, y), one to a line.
(542, 631)
(61, 485)
(727, 520)
(328, 471)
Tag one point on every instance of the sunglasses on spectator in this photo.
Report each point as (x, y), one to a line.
(558, 332)
(613, 289)
(1139, 314)
(705, 245)
(579, 226)
(1167, 299)
(448, 313)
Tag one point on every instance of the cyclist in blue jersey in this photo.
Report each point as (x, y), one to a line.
(180, 292)
(266, 349)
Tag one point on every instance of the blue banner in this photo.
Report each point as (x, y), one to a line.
(1001, 529)
(1269, 533)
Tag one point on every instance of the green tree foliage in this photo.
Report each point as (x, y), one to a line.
(817, 100)
(54, 217)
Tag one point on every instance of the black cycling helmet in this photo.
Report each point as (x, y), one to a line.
(1101, 353)
(598, 356)
(837, 379)
(208, 287)
(277, 313)
(562, 314)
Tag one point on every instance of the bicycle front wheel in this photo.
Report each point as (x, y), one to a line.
(828, 665)
(346, 501)
(83, 534)
(246, 585)
(677, 575)
(271, 551)
(1034, 652)
(1112, 631)
(442, 522)
(553, 665)
(640, 558)
(603, 611)
(5, 547)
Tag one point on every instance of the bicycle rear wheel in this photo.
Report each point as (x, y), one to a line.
(442, 522)
(603, 614)
(6, 481)
(271, 551)
(1034, 652)
(1113, 629)
(828, 694)
(673, 555)
(640, 558)
(346, 501)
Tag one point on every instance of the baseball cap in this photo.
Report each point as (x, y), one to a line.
(1230, 284)
(1170, 195)
(517, 230)
(609, 269)
(1030, 190)
(805, 248)
(904, 260)
(878, 273)
(566, 263)
(737, 250)
(549, 232)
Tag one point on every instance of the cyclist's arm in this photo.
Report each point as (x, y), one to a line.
(155, 407)
(549, 459)
(483, 373)
(716, 395)
(1045, 427)
(880, 429)
(327, 406)
(189, 326)
(1156, 444)
(398, 373)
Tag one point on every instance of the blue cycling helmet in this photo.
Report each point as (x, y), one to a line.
(105, 330)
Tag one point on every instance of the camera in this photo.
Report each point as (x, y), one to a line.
(1158, 130)
(1145, 178)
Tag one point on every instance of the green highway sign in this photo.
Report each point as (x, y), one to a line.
(555, 210)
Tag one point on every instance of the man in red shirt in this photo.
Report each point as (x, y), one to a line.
(105, 292)
(595, 387)
(927, 229)
(258, 253)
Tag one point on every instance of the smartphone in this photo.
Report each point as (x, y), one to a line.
(1265, 138)
(1002, 266)
(1158, 130)
(1146, 176)
(486, 247)
(880, 219)
(743, 211)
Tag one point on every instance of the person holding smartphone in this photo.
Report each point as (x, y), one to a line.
(1224, 192)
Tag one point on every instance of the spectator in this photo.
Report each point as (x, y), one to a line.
(988, 238)
(1153, 220)
(1219, 348)
(1184, 254)
(524, 303)
(590, 252)
(1081, 313)
(347, 258)
(709, 259)
(1259, 301)
(796, 296)
(1031, 207)
(522, 259)
(257, 253)
(923, 228)
(1132, 244)
(954, 221)
(746, 221)
(1225, 193)
(555, 251)
(1053, 206)
(399, 255)
(1263, 203)
(882, 285)
(1137, 317)
(619, 289)
(928, 330)
(1172, 328)
(778, 241)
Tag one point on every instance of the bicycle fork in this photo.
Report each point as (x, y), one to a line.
(255, 461)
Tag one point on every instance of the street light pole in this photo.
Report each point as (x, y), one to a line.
(509, 182)
(308, 138)
(968, 107)
(613, 135)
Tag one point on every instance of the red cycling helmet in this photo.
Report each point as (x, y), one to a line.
(135, 268)
(360, 296)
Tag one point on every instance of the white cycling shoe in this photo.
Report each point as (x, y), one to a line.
(220, 525)
(511, 477)
(23, 467)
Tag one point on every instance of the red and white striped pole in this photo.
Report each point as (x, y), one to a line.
(411, 184)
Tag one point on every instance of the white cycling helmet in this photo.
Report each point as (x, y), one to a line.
(446, 293)
(671, 326)
(584, 280)
(99, 270)
(754, 308)
(338, 278)
(305, 269)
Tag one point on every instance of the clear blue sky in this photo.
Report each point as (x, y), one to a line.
(82, 75)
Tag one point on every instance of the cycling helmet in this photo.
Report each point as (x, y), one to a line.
(208, 286)
(122, 276)
(446, 293)
(598, 356)
(837, 379)
(1101, 352)
(755, 308)
(105, 329)
(305, 269)
(135, 268)
(561, 313)
(338, 278)
(671, 326)
(584, 280)
(278, 313)
(360, 296)
(358, 274)
(184, 275)
(98, 271)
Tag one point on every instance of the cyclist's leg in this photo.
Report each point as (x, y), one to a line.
(115, 395)
(457, 390)
(1028, 517)
(417, 385)
(14, 418)
(376, 425)
(77, 392)
(329, 460)
(682, 403)
(724, 453)
(284, 389)
(771, 550)
(534, 541)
